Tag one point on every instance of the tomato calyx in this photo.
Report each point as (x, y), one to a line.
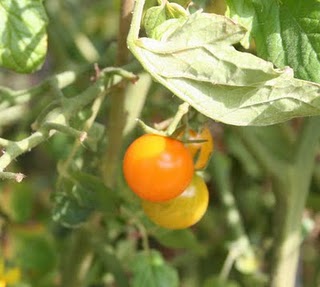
(200, 145)
(169, 127)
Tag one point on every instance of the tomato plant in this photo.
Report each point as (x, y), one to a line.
(157, 168)
(182, 211)
(250, 69)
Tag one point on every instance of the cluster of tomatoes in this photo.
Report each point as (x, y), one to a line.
(161, 170)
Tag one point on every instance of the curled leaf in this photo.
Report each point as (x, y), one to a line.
(198, 63)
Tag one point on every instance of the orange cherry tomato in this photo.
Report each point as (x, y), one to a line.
(201, 151)
(157, 168)
(182, 211)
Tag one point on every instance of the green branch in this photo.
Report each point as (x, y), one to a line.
(240, 248)
(13, 103)
(133, 34)
(290, 181)
(11, 97)
(117, 116)
(291, 188)
(70, 106)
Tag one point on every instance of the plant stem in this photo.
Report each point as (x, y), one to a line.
(291, 189)
(124, 26)
(70, 107)
(291, 180)
(133, 34)
(183, 109)
(286, 240)
(76, 253)
(221, 171)
(117, 116)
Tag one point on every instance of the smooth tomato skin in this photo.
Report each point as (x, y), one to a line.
(183, 211)
(157, 168)
(200, 151)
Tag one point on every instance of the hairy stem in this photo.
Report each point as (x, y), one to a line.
(291, 188)
(117, 117)
(70, 106)
(290, 180)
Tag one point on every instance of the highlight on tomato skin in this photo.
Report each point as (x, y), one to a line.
(183, 211)
(157, 168)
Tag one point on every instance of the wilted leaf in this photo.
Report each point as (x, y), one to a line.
(198, 63)
(23, 42)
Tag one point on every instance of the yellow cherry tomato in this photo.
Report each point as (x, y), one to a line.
(182, 211)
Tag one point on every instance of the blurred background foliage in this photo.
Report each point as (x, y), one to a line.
(51, 228)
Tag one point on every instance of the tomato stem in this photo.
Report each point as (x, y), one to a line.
(291, 189)
(174, 122)
(149, 130)
(290, 182)
(117, 116)
(182, 110)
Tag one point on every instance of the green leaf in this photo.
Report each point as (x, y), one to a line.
(153, 17)
(81, 195)
(174, 10)
(93, 193)
(150, 270)
(68, 211)
(286, 32)
(237, 8)
(34, 252)
(166, 28)
(183, 3)
(23, 43)
(198, 63)
(21, 202)
(215, 281)
(113, 265)
(179, 239)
